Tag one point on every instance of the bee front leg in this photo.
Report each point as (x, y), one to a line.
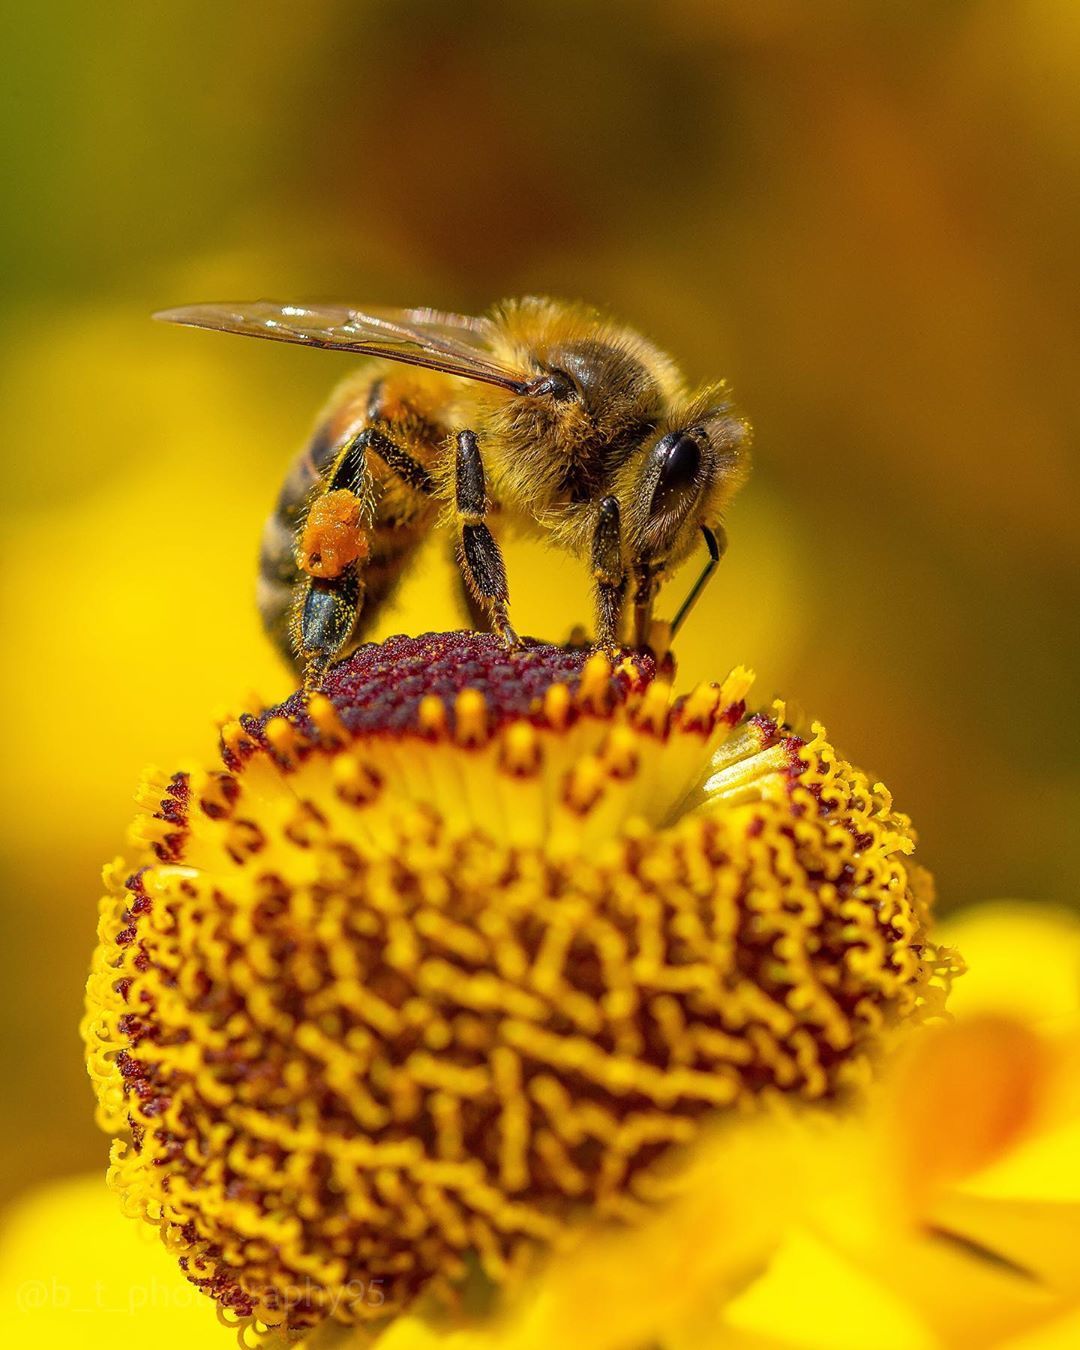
(479, 556)
(716, 543)
(609, 573)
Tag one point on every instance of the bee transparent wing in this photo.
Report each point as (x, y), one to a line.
(438, 330)
(468, 328)
(452, 343)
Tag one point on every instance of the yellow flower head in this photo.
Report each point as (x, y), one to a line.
(448, 957)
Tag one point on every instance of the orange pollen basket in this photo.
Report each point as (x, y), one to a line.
(332, 537)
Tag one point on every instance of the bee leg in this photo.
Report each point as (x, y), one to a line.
(608, 572)
(324, 618)
(350, 469)
(469, 606)
(326, 608)
(479, 556)
(645, 586)
(409, 470)
(716, 543)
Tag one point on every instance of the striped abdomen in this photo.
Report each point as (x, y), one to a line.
(401, 511)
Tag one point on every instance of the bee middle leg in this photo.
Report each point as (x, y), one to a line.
(645, 588)
(479, 556)
(609, 572)
(469, 607)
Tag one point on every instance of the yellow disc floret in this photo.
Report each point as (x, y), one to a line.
(451, 953)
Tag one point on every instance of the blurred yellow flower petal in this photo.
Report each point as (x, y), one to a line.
(1045, 1167)
(413, 1333)
(1034, 1235)
(636, 1287)
(812, 1298)
(75, 1272)
(957, 1194)
(963, 1300)
(1022, 959)
(1061, 1334)
(1024, 963)
(935, 1135)
(666, 1281)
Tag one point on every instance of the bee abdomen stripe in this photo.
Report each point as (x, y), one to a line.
(277, 552)
(322, 448)
(304, 472)
(274, 598)
(295, 490)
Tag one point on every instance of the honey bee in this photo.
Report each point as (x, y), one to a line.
(542, 415)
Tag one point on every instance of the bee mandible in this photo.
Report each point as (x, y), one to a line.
(543, 416)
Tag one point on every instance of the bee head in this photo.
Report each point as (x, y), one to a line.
(686, 475)
(603, 412)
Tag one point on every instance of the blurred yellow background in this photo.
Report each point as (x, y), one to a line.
(864, 215)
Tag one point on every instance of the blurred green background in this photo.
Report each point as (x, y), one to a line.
(864, 215)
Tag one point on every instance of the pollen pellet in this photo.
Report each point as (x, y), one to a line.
(332, 537)
(460, 949)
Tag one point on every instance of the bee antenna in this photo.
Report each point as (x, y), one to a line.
(713, 545)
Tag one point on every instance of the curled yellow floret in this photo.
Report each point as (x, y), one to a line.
(451, 954)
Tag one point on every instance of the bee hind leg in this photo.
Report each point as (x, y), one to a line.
(478, 554)
(323, 620)
(327, 608)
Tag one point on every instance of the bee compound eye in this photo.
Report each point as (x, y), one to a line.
(680, 460)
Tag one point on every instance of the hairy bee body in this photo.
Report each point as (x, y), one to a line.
(542, 416)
